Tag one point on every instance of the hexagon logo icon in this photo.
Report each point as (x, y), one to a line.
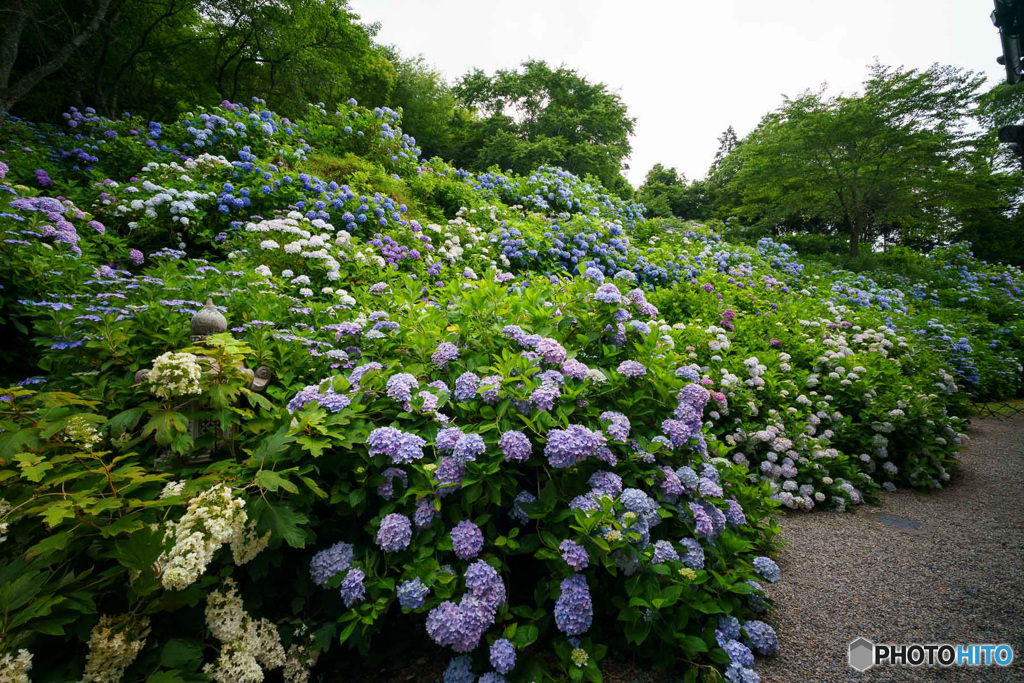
(862, 654)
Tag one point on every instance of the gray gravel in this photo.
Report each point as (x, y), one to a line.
(956, 578)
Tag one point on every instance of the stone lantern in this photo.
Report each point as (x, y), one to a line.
(207, 322)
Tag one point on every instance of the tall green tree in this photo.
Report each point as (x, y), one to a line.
(887, 162)
(543, 115)
(666, 193)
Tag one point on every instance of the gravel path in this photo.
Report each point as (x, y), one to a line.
(956, 578)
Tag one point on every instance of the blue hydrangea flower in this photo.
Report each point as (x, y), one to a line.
(411, 594)
(574, 554)
(446, 352)
(465, 387)
(761, 637)
(515, 445)
(574, 609)
(460, 670)
(694, 555)
(447, 438)
(330, 561)
(663, 552)
(352, 588)
(605, 482)
(734, 515)
(767, 568)
(631, 369)
(567, 447)
(739, 653)
(503, 655)
(468, 448)
(517, 512)
(395, 533)
(467, 540)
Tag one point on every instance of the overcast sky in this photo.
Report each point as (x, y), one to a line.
(688, 68)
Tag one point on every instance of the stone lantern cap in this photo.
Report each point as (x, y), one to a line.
(208, 321)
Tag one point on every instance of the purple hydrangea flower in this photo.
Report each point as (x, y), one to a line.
(386, 490)
(460, 670)
(567, 447)
(605, 482)
(468, 448)
(467, 540)
(515, 445)
(447, 438)
(491, 393)
(503, 655)
(730, 627)
(709, 488)
(425, 513)
(694, 555)
(517, 512)
(395, 533)
(638, 501)
(688, 478)
(136, 256)
(631, 369)
(608, 294)
(663, 552)
(545, 395)
(574, 609)
(411, 594)
(739, 653)
(573, 369)
(767, 568)
(400, 446)
(400, 386)
(761, 637)
(574, 554)
(735, 673)
(619, 425)
(465, 387)
(551, 351)
(446, 352)
(734, 515)
(329, 562)
(329, 399)
(352, 588)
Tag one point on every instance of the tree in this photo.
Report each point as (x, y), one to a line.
(726, 144)
(44, 35)
(540, 115)
(888, 161)
(666, 192)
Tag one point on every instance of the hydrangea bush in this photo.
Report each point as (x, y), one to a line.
(509, 422)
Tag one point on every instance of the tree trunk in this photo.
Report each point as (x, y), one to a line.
(10, 94)
(854, 240)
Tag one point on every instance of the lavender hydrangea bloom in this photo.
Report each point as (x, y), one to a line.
(663, 552)
(357, 374)
(688, 478)
(761, 637)
(410, 448)
(735, 673)
(606, 482)
(638, 501)
(484, 582)
(608, 294)
(574, 609)
(490, 389)
(757, 601)
(734, 515)
(503, 655)
(465, 387)
(708, 471)
(586, 502)
(689, 372)
(400, 386)
(671, 486)
(460, 670)
(619, 425)
(545, 395)
(449, 476)
(136, 256)
(567, 447)
(443, 623)
(386, 490)
(694, 555)
(446, 352)
(329, 562)
(468, 448)
(411, 594)
(439, 386)
(515, 445)
(447, 438)
(730, 627)
(331, 401)
(631, 369)
(467, 540)
(551, 351)
(574, 554)
(425, 513)
(492, 677)
(352, 588)
(594, 275)
(395, 533)
(767, 568)
(709, 488)
(574, 369)
(739, 653)
(517, 512)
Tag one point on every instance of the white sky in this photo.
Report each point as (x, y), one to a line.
(688, 68)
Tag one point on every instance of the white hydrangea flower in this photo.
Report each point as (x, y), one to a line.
(175, 374)
(114, 644)
(214, 517)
